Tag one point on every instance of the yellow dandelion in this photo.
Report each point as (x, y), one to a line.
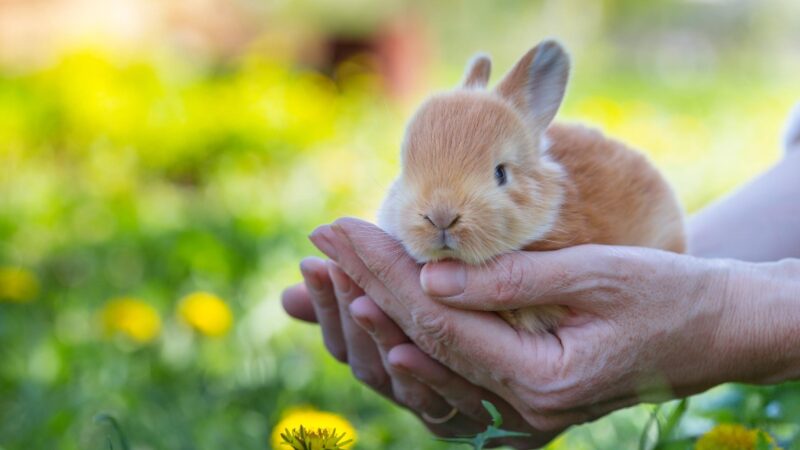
(733, 437)
(322, 439)
(318, 428)
(206, 313)
(18, 285)
(133, 318)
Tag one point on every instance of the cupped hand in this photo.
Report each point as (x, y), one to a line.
(644, 324)
(356, 331)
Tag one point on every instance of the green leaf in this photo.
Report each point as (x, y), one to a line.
(665, 427)
(653, 419)
(492, 431)
(674, 419)
(497, 418)
(686, 443)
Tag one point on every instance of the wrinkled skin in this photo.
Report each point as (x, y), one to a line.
(624, 342)
(645, 323)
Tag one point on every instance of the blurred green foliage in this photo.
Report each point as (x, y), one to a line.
(150, 178)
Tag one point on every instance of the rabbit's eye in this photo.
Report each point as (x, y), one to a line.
(500, 174)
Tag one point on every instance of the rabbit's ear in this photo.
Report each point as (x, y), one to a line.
(536, 84)
(478, 70)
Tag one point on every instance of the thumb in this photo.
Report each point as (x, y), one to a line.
(512, 281)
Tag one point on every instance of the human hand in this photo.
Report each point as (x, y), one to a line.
(357, 332)
(644, 323)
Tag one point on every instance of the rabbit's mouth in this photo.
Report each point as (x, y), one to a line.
(438, 253)
(446, 241)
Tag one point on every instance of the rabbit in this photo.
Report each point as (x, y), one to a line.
(487, 172)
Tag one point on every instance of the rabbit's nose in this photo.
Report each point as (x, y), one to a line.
(442, 219)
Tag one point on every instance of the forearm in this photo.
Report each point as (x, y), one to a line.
(759, 222)
(761, 332)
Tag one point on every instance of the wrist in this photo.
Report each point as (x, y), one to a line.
(761, 322)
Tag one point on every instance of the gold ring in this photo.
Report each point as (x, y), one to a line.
(440, 420)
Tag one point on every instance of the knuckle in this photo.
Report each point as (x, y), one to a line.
(614, 260)
(435, 332)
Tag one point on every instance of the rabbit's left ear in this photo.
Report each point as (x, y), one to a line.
(536, 84)
(478, 70)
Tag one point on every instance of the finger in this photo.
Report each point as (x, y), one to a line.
(467, 396)
(455, 337)
(457, 425)
(395, 274)
(514, 280)
(407, 390)
(456, 390)
(320, 289)
(464, 395)
(363, 356)
(383, 330)
(297, 302)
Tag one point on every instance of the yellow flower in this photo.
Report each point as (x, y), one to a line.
(319, 423)
(133, 318)
(206, 313)
(733, 437)
(17, 284)
(321, 439)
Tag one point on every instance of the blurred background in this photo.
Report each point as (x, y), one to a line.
(162, 162)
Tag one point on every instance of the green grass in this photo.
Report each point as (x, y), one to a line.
(151, 179)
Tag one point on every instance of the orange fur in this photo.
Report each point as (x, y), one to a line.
(615, 195)
(563, 185)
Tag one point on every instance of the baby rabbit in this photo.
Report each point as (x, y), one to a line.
(486, 172)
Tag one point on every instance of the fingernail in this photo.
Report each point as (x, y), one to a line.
(402, 369)
(362, 321)
(322, 237)
(358, 313)
(443, 279)
(338, 231)
(310, 276)
(396, 362)
(313, 282)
